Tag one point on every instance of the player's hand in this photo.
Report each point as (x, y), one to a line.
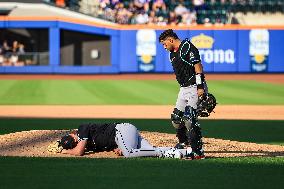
(200, 92)
(118, 152)
(63, 151)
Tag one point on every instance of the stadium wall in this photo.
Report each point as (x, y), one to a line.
(136, 49)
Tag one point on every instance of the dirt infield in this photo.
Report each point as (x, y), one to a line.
(34, 144)
(270, 78)
(244, 112)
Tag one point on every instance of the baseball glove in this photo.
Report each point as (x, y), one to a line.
(55, 147)
(206, 105)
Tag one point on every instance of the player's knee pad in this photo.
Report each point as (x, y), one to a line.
(190, 117)
(190, 112)
(176, 125)
(176, 118)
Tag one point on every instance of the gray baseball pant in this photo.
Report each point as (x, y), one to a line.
(132, 144)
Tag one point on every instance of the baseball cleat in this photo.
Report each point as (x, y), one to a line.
(173, 153)
(195, 155)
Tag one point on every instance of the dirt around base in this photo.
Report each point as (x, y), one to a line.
(240, 112)
(34, 144)
(266, 77)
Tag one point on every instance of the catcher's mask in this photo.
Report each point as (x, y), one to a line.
(67, 142)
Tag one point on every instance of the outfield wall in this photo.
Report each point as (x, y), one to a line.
(229, 49)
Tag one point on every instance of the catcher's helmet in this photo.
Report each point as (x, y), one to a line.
(67, 142)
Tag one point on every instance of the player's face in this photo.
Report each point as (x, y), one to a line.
(168, 44)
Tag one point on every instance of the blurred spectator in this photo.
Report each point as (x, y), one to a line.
(10, 56)
(123, 15)
(114, 3)
(110, 14)
(1, 56)
(21, 49)
(14, 53)
(142, 18)
(104, 4)
(141, 5)
(21, 54)
(159, 6)
(188, 18)
(219, 22)
(14, 59)
(162, 21)
(198, 4)
(15, 46)
(207, 22)
(131, 7)
(6, 50)
(172, 20)
(180, 10)
(153, 19)
(107, 10)
(5, 47)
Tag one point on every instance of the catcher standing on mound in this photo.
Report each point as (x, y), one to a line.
(188, 69)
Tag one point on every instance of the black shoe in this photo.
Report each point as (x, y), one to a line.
(181, 145)
(196, 155)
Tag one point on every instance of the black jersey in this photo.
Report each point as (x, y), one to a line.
(100, 137)
(183, 62)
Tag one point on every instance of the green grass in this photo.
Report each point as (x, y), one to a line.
(110, 92)
(269, 132)
(247, 92)
(141, 173)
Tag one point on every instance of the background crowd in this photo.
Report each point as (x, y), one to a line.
(169, 12)
(13, 55)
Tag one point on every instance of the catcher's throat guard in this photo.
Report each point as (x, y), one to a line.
(206, 105)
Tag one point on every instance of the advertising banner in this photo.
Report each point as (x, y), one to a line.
(217, 51)
(259, 50)
(146, 50)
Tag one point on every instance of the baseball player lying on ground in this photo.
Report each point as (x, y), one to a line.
(123, 138)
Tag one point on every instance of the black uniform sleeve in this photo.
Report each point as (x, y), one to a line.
(84, 132)
(189, 53)
(194, 56)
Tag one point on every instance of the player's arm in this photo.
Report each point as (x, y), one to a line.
(198, 68)
(200, 78)
(79, 150)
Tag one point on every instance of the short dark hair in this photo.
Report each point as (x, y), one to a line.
(168, 33)
(67, 142)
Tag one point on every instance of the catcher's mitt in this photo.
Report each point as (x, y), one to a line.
(206, 105)
(55, 147)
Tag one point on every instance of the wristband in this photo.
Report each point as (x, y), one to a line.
(200, 78)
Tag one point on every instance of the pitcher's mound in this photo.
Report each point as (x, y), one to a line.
(34, 144)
